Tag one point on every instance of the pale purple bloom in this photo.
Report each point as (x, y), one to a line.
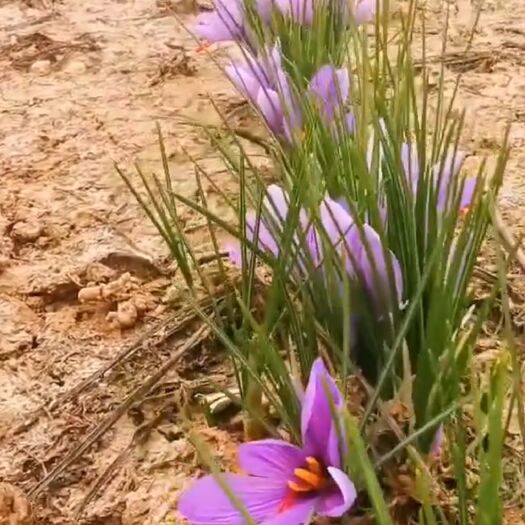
(264, 82)
(229, 21)
(360, 249)
(365, 11)
(330, 87)
(265, 71)
(283, 484)
(444, 176)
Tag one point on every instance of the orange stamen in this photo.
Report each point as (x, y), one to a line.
(463, 212)
(203, 46)
(299, 486)
(314, 480)
(314, 465)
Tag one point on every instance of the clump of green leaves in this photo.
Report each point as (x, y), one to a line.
(371, 237)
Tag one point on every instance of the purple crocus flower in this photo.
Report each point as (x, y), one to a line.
(283, 484)
(364, 11)
(225, 23)
(361, 249)
(330, 89)
(229, 21)
(263, 81)
(444, 173)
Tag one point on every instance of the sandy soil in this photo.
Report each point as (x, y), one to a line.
(81, 86)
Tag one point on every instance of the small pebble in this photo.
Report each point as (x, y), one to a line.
(40, 67)
(126, 315)
(76, 67)
(26, 231)
(90, 294)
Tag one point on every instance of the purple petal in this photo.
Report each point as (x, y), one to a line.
(276, 202)
(344, 204)
(265, 10)
(331, 86)
(410, 163)
(291, 111)
(445, 174)
(210, 26)
(318, 428)
(374, 258)
(271, 458)
(297, 514)
(231, 12)
(263, 67)
(314, 247)
(269, 104)
(337, 502)
(365, 11)
(266, 66)
(265, 240)
(302, 11)
(244, 80)
(350, 123)
(234, 252)
(336, 220)
(340, 227)
(205, 502)
(469, 188)
(275, 56)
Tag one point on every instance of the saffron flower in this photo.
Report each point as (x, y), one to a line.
(330, 89)
(445, 174)
(229, 21)
(263, 81)
(364, 11)
(283, 484)
(361, 249)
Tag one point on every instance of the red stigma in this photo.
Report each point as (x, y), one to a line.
(203, 46)
(287, 502)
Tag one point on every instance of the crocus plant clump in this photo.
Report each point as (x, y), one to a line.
(444, 177)
(268, 87)
(283, 483)
(371, 249)
(360, 248)
(231, 21)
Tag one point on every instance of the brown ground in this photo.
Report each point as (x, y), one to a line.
(81, 85)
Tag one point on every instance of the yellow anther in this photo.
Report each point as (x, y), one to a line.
(203, 45)
(311, 478)
(299, 487)
(314, 465)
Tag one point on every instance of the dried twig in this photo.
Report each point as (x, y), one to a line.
(154, 337)
(105, 425)
(139, 436)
